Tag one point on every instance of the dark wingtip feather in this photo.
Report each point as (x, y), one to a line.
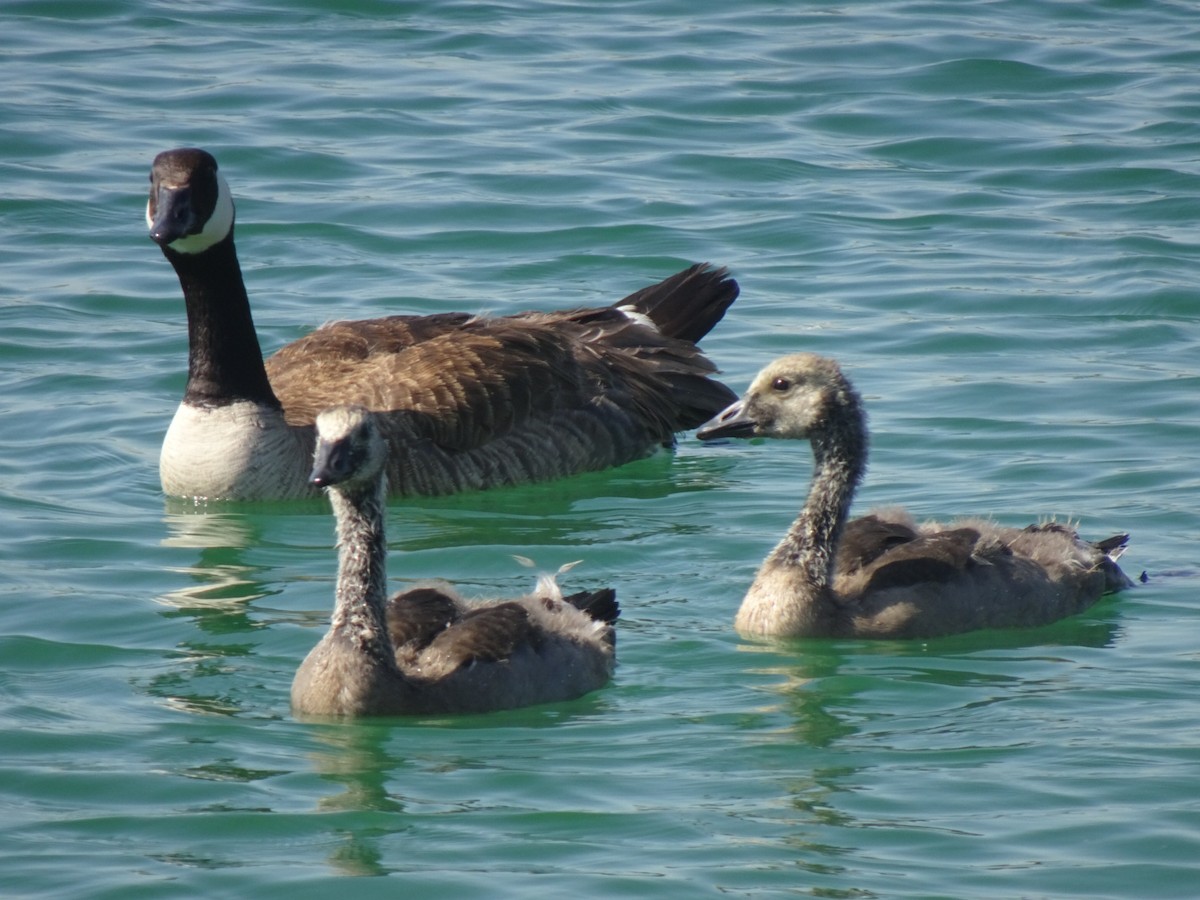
(601, 605)
(688, 304)
(1114, 546)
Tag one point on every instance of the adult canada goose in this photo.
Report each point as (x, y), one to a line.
(425, 650)
(469, 402)
(883, 576)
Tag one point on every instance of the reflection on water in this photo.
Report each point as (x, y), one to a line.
(813, 676)
(943, 710)
(389, 775)
(547, 513)
(355, 758)
(220, 576)
(222, 586)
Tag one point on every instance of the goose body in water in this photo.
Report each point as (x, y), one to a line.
(426, 650)
(467, 402)
(883, 576)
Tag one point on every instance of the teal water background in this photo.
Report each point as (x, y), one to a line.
(988, 211)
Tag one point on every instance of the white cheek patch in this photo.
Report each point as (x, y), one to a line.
(215, 230)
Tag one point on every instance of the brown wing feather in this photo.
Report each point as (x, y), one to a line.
(461, 385)
(937, 557)
(486, 634)
(365, 337)
(867, 538)
(417, 616)
(471, 402)
(474, 380)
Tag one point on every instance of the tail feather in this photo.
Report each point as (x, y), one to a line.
(1112, 548)
(687, 304)
(699, 400)
(601, 605)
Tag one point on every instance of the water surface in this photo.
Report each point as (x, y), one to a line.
(987, 212)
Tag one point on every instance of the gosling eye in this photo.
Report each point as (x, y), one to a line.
(781, 384)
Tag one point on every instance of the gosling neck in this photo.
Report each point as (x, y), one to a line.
(225, 362)
(839, 461)
(359, 610)
(792, 595)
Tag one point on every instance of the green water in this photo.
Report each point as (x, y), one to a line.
(987, 211)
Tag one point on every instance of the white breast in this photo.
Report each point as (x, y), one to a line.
(240, 451)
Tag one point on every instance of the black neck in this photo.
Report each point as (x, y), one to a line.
(225, 362)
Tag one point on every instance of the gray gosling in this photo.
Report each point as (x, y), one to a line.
(884, 576)
(426, 651)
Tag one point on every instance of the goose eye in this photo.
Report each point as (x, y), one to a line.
(781, 384)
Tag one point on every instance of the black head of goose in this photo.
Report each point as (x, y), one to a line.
(426, 650)
(466, 402)
(883, 576)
